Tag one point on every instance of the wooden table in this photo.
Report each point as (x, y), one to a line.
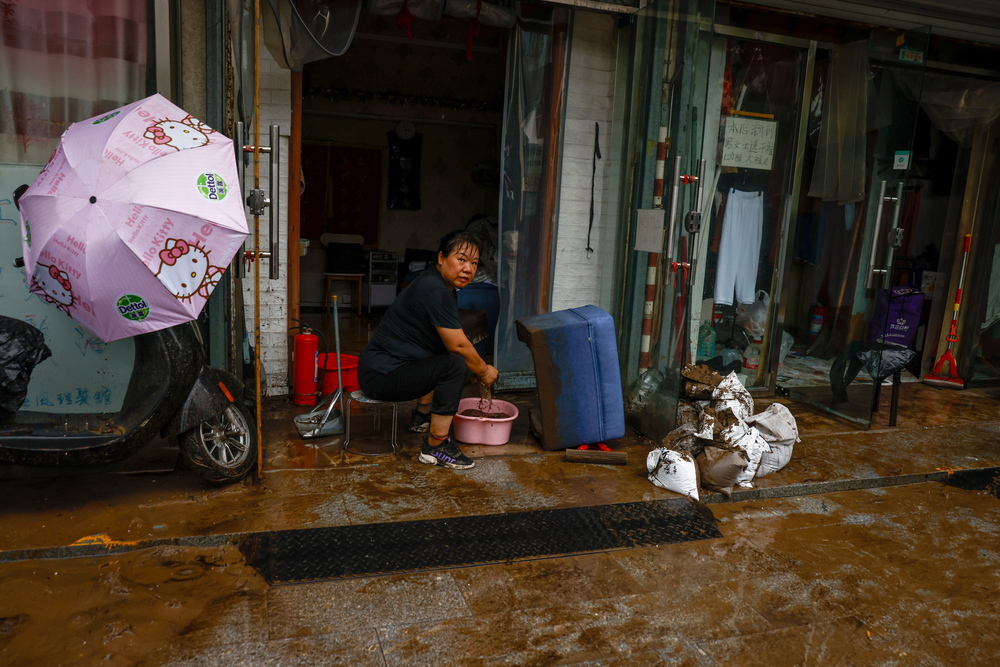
(356, 287)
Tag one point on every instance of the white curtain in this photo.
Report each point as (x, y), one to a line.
(62, 61)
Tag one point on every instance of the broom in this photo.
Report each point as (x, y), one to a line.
(951, 381)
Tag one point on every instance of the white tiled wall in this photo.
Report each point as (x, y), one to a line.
(275, 109)
(578, 278)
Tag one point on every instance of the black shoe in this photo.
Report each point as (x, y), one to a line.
(446, 454)
(419, 422)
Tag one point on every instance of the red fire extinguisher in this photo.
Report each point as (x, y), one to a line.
(817, 318)
(305, 367)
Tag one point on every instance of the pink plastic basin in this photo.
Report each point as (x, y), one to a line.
(484, 430)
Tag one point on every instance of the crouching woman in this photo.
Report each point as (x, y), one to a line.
(419, 351)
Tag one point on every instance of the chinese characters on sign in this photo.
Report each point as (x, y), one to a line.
(99, 398)
(749, 143)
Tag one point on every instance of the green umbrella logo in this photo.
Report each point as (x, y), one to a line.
(133, 307)
(107, 117)
(212, 186)
(27, 233)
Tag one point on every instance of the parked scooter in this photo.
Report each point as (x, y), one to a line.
(172, 391)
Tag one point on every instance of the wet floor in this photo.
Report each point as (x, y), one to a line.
(858, 565)
(906, 575)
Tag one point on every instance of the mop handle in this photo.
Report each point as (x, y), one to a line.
(952, 336)
(961, 276)
(336, 342)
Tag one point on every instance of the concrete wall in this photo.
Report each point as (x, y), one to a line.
(578, 279)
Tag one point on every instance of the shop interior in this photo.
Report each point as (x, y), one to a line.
(400, 146)
(824, 305)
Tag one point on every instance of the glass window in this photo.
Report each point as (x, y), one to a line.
(62, 61)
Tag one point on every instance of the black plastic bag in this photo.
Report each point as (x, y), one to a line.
(880, 360)
(22, 347)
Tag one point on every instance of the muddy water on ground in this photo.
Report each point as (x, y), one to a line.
(116, 610)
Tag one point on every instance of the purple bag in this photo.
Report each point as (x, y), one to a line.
(897, 315)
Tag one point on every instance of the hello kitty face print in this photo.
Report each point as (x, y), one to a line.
(180, 134)
(56, 285)
(186, 271)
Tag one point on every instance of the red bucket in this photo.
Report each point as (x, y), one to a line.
(348, 369)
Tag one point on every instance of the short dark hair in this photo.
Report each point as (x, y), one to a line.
(458, 239)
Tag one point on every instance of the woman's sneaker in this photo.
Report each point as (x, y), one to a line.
(446, 454)
(419, 422)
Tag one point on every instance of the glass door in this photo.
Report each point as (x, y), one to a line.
(756, 151)
(850, 320)
(670, 59)
(731, 170)
(978, 350)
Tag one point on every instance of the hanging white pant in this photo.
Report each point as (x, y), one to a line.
(739, 248)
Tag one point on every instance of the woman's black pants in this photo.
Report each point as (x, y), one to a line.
(445, 375)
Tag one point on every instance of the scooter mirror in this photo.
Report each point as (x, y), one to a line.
(17, 195)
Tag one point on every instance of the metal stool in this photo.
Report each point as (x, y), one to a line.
(359, 397)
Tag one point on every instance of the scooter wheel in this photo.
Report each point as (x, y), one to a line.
(222, 449)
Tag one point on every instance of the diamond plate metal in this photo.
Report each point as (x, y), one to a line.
(352, 551)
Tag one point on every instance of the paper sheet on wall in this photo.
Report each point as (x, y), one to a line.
(649, 230)
(749, 142)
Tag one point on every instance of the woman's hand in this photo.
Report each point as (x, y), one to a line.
(489, 376)
(456, 342)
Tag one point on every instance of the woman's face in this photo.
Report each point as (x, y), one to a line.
(460, 266)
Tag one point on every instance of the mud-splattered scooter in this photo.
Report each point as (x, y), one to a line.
(172, 391)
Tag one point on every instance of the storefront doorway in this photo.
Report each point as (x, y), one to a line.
(852, 309)
(833, 202)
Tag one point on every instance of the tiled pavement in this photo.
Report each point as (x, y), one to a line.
(851, 561)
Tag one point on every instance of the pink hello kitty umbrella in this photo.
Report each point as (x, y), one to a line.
(134, 219)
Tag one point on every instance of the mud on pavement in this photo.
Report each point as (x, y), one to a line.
(124, 609)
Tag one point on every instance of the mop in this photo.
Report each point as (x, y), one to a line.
(951, 381)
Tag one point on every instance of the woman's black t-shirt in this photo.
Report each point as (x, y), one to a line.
(407, 331)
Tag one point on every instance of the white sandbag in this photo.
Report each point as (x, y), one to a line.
(673, 471)
(706, 426)
(719, 468)
(776, 459)
(776, 424)
(687, 417)
(729, 426)
(754, 446)
(731, 389)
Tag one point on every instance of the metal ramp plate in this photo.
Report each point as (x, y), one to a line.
(315, 554)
